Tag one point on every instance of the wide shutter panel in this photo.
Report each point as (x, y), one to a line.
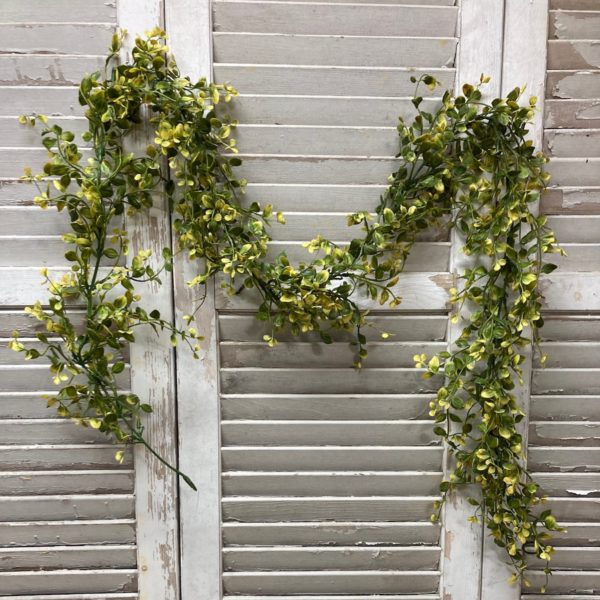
(67, 525)
(564, 438)
(329, 474)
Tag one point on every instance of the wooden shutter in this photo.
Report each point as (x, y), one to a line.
(329, 474)
(564, 438)
(67, 524)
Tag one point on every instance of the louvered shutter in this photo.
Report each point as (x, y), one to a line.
(67, 524)
(329, 474)
(564, 437)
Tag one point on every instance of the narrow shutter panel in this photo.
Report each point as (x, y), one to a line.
(67, 526)
(329, 474)
(564, 438)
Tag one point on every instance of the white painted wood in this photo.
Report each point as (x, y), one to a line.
(57, 557)
(46, 69)
(340, 558)
(409, 328)
(67, 533)
(328, 81)
(331, 19)
(523, 66)
(290, 49)
(330, 582)
(274, 510)
(77, 11)
(381, 354)
(573, 54)
(71, 581)
(153, 378)
(572, 114)
(188, 23)
(574, 25)
(332, 458)
(59, 38)
(339, 407)
(463, 541)
(308, 109)
(565, 408)
(330, 534)
(327, 433)
(330, 483)
(565, 433)
(67, 507)
(20, 483)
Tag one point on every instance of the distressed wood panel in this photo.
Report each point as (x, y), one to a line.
(21, 483)
(345, 558)
(67, 533)
(573, 381)
(46, 69)
(315, 169)
(381, 354)
(576, 485)
(92, 11)
(566, 582)
(341, 582)
(574, 4)
(58, 38)
(562, 328)
(314, 110)
(356, 484)
(328, 81)
(55, 101)
(289, 49)
(571, 201)
(82, 557)
(72, 581)
(573, 84)
(571, 354)
(409, 328)
(269, 510)
(329, 534)
(574, 171)
(574, 54)
(67, 507)
(575, 559)
(565, 433)
(327, 433)
(332, 407)
(565, 408)
(250, 380)
(571, 292)
(352, 141)
(565, 460)
(341, 19)
(567, 143)
(574, 25)
(383, 458)
(64, 457)
(572, 114)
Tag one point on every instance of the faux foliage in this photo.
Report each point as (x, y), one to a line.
(467, 166)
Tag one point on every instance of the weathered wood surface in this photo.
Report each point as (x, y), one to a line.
(574, 25)
(330, 582)
(367, 51)
(328, 81)
(330, 533)
(328, 19)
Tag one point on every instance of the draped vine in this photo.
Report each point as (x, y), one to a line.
(467, 166)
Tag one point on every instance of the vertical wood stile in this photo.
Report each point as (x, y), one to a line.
(152, 378)
(188, 25)
(479, 52)
(523, 64)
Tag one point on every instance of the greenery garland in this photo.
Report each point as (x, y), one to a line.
(468, 166)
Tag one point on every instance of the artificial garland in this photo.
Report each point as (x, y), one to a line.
(466, 166)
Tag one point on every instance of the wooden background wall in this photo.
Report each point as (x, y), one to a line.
(327, 475)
